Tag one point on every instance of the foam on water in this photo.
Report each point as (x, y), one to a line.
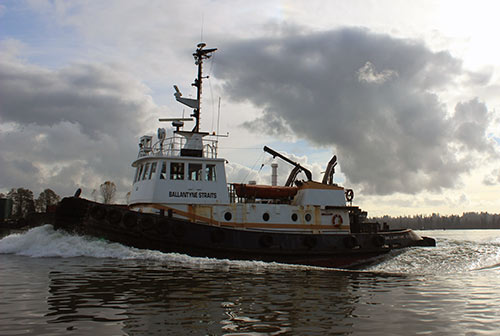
(450, 256)
(44, 241)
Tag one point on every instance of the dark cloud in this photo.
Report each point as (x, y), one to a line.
(96, 97)
(470, 121)
(71, 127)
(18, 171)
(370, 97)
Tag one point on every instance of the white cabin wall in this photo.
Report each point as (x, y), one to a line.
(184, 191)
(253, 213)
(250, 215)
(142, 192)
(321, 197)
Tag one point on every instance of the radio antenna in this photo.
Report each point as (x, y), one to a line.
(202, 23)
(218, 117)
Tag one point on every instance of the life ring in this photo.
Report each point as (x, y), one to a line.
(349, 195)
(337, 221)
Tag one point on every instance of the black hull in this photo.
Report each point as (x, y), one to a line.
(168, 234)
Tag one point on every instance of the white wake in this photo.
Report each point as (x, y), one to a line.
(44, 241)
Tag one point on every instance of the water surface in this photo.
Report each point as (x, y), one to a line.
(53, 283)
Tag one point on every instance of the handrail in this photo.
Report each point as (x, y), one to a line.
(172, 147)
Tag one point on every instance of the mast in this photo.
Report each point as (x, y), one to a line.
(195, 104)
(199, 56)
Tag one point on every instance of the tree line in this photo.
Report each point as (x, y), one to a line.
(24, 203)
(468, 220)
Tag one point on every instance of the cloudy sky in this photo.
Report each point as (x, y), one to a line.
(405, 94)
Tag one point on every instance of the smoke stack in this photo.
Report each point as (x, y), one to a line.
(274, 176)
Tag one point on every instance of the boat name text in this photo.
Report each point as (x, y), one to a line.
(192, 194)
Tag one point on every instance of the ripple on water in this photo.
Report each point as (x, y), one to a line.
(93, 286)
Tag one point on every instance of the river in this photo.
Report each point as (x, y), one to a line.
(53, 283)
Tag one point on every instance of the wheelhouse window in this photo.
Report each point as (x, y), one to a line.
(210, 172)
(138, 173)
(153, 170)
(194, 171)
(146, 171)
(177, 171)
(163, 172)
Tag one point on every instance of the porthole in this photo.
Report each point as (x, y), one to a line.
(228, 216)
(308, 217)
(265, 216)
(295, 217)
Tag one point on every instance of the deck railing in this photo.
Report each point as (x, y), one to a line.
(172, 147)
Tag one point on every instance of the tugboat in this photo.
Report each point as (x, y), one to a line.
(181, 202)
